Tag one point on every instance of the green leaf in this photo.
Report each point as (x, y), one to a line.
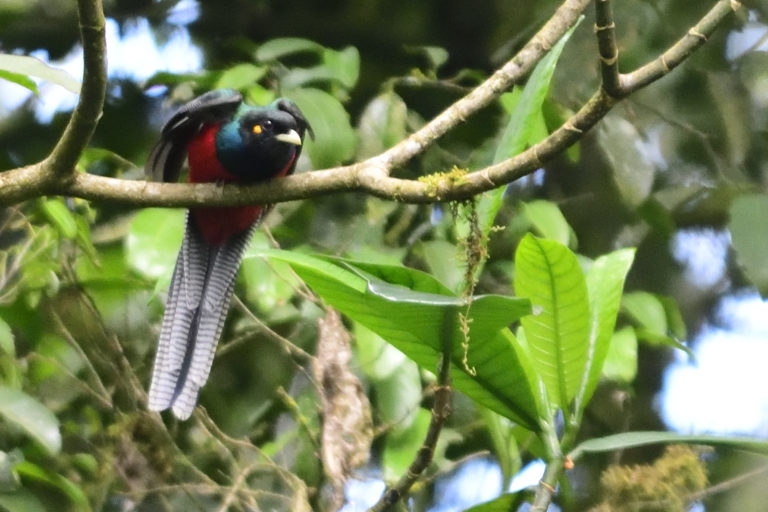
(269, 284)
(382, 124)
(30, 66)
(605, 282)
(549, 222)
(503, 503)
(398, 396)
(401, 445)
(748, 214)
(634, 439)
(417, 314)
(521, 122)
(75, 494)
(19, 79)
(621, 361)
(444, 262)
(647, 310)
(275, 49)
(633, 174)
(653, 315)
(378, 359)
(7, 344)
(32, 417)
(344, 65)
(154, 240)
(60, 217)
(241, 76)
(505, 446)
(335, 140)
(521, 129)
(557, 332)
(21, 500)
(436, 56)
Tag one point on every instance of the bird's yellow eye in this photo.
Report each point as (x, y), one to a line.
(257, 129)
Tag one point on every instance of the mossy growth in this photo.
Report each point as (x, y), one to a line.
(667, 485)
(441, 180)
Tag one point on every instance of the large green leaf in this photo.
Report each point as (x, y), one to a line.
(750, 238)
(634, 439)
(557, 332)
(417, 314)
(32, 417)
(605, 282)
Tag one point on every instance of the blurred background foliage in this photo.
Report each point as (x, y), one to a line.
(678, 170)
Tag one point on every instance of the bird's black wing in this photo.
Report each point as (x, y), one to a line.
(167, 157)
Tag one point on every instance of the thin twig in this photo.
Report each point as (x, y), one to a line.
(100, 392)
(297, 353)
(440, 411)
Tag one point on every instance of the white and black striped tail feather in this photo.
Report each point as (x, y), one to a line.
(198, 300)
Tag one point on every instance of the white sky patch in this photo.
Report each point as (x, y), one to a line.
(703, 253)
(473, 483)
(650, 147)
(135, 55)
(184, 12)
(724, 391)
(362, 494)
(529, 476)
(751, 36)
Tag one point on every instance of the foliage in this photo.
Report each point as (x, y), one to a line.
(531, 312)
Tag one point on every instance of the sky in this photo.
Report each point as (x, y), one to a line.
(698, 395)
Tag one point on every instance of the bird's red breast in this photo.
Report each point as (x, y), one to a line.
(216, 224)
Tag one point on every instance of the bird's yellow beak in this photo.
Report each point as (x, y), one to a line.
(292, 137)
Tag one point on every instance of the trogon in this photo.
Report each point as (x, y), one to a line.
(224, 141)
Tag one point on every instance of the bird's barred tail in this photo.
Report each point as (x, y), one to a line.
(198, 299)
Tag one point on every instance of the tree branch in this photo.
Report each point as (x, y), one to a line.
(370, 176)
(82, 124)
(53, 175)
(441, 409)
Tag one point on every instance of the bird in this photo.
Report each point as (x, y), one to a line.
(225, 140)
